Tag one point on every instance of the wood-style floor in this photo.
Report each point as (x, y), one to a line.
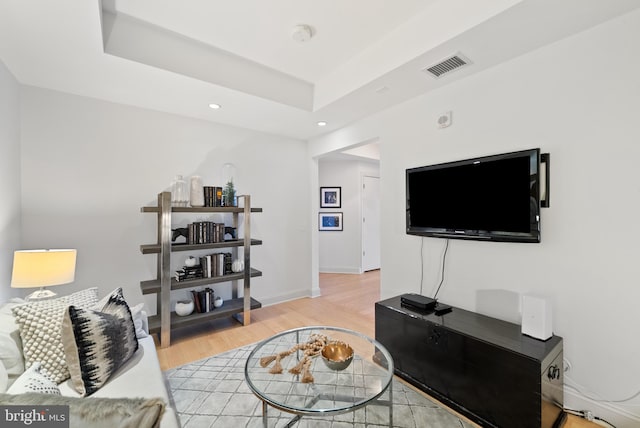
(346, 301)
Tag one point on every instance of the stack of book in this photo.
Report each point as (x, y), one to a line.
(203, 300)
(216, 264)
(205, 232)
(211, 265)
(187, 273)
(212, 196)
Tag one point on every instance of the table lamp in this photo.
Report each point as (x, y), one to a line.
(42, 268)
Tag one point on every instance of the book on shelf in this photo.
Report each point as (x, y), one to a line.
(218, 200)
(203, 300)
(209, 196)
(216, 264)
(205, 232)
(211, 266)
(188, 273)
(196, 301)
(212, 196)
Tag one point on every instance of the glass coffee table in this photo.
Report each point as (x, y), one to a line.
(331, 391)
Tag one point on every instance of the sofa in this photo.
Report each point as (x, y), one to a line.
(46, 359)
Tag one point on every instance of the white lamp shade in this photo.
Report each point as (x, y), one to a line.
(43, 268)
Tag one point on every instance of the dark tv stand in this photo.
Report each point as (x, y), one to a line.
(482, 367)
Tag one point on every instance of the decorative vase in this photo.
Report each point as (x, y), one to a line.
(190, 261)
(184, 307)
(197, 192)
(179, 193)
(237, 266)
(217, 302)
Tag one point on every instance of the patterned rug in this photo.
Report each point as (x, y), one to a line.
(212, 393)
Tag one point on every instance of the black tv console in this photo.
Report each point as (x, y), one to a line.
(482, 367)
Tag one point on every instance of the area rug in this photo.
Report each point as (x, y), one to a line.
(212, 393)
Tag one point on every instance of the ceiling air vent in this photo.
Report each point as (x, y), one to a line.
(447, 65)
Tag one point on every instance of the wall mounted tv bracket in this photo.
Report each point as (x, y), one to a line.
(545, 166)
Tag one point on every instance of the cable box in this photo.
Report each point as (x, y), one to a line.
(418, 301)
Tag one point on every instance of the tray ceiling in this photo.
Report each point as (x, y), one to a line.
(363, 56)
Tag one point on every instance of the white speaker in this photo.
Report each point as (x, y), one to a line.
(536, 317)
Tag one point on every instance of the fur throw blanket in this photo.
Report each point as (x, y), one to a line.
(98, 412)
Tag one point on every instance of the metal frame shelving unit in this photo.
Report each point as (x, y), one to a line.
(238, 307)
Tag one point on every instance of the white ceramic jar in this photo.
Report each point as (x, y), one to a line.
(197, 192)
(184, 307)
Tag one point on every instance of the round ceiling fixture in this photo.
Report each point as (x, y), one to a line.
(301, 33)
(214, 106)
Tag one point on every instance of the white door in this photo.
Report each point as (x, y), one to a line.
(370, 223)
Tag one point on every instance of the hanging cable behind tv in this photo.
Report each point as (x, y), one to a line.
(424, 303)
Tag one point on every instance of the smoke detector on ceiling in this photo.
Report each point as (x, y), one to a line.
(301, 33)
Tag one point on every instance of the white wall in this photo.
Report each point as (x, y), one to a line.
(341, 251)
(9, 177)
(89, 166)
(578, 100)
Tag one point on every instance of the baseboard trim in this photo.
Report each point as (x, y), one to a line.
(268, 301)
(329, 269)
(620, 417)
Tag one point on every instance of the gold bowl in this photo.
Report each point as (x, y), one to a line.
(337, 355)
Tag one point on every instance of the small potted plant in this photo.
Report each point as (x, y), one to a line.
(229, 195)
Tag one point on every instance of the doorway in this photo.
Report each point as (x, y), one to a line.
(370, 223)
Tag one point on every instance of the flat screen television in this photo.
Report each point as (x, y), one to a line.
(493, 198)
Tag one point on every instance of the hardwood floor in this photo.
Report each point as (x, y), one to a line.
(345, 301)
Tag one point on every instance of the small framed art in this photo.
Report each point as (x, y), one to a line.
(330, 197)
(330, 221)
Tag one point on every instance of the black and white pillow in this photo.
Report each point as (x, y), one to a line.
(97, 343)
(34, 379)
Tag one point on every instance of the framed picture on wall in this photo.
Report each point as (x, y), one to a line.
(330, 197)
(330, 221)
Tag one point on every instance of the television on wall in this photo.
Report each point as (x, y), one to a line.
(492, 198)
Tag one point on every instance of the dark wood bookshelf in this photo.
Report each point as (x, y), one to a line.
(195, 210)
(165, 283)
(153, 285)
(230, 307)
(155, 248)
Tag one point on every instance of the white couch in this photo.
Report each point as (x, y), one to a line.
(139, 377)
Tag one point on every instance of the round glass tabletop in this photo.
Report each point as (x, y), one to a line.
(288, 372)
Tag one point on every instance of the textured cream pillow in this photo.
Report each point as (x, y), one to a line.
(40, 324)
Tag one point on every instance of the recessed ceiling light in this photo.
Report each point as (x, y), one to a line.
(214, 106)
(322, 123)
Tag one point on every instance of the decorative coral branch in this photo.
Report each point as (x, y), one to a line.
(265, 361)
(311, 348)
